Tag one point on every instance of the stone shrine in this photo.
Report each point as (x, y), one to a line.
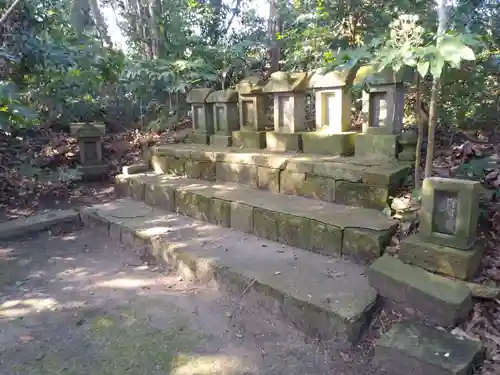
(448, 221)
(289, 92)
(333, 114)
(382, 113)
(253, 122)
(90, 141)
(225, 115)
(202, 115)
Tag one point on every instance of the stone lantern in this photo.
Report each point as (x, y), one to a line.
(90, 141)
(202, 116)
(225, 115)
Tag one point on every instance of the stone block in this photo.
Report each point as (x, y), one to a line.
(365, 245)
(295, 231)
(198, 95)
(176, 165)
(440, 259)
(291, 182)
(137, 189)
(220, 213)
(241, 217)
(441, 300)
(96, 171)
(201, 170)
(252, 113)
(412, 348)
(386, 175)
(363, 195)
(266, 224)
(408, 154)
(160, 196)
(249, 139)
(134, 169)
(318, 187)
(326, 239)
(276, 141)
(159, 163)
(377, 145)
(328, 144)
(199, 138)
(340, 171)
(450, 212)
(245, 174)
(333, 109)
(218, 140)
(268, 178)
(289, 112)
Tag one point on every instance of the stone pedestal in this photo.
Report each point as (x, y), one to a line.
(323, 142)
(90, 142)
(377, 145)
(251, 104)
(249, 139)
(408, 143)
(225, 115)
(202, 115)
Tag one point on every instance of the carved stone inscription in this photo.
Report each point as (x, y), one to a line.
(445, 212)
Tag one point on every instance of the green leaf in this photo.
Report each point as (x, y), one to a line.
(436, 66)
(423, 68)
(467, 53)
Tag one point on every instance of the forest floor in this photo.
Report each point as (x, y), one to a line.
(35, 175)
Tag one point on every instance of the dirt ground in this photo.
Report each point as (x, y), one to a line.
(75, 303)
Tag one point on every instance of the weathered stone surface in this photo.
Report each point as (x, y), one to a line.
(277, 141)
(303, 291)
(266, 224)
(328, 144)
(363, 195)
(386, 175)
(36, 223)
(318, 187)
(249, 139)
(93, 171)
(250, 85)
(220, 213)
(223, 96)
(268, 178)
(286, 82)
(321, 79)
(198, 95)
(340, 171)
(443, 301)
(377, 145)
(221, 140)
(295, 231)
(196, 169)
(440, 259)
(93, 129)
(289, 112)
(135, 168)
(292, 182)
(160, 196)
(412, 348)
(455, 223)
(234, 172)
(199, 138)
(241, 217)
(326, 239)
(365, 245)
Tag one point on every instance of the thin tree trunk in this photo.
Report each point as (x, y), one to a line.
(420, 134)
(441, 10)
(9, 11)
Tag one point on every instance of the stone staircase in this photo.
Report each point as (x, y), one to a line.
(285, 225)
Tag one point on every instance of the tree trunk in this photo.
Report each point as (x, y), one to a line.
(441, 10)
(420, 134)
(274, 26)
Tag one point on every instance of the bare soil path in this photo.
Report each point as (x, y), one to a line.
(79, 304)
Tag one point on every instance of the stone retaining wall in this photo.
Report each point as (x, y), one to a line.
(366, 185)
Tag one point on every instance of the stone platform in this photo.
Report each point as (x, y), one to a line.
(325, 297)
(313, 225)
(357, 181)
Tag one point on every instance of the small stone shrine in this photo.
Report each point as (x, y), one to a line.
(289, 92)
(202, 115)
(225, 115)
(449, 215)
(90, 141)
(333, 114)
(251, 133)
(382, 112)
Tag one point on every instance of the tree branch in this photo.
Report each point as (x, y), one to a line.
(9, 11)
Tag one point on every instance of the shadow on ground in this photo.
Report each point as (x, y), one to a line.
(77, 303)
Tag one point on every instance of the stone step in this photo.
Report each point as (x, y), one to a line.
(317, 226)
(411, 348)
(325, 297)
(357, 181)
(437, 299)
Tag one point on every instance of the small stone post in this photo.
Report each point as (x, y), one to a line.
(202, 115)
(449, 216)
(252, 115)
(289, 91)
(226, 116)
(90, 141)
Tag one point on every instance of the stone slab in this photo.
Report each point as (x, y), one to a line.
(199, 138)
(386, 175)
(221, 140)
(328, 144)
(135, 168)
(249, 139)
(412, 348)
(292, 283)
(277, 141)
(440, 300)
(36, 223)
(273, 215)
(435, 258)
(382, 145)
(93, 171)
